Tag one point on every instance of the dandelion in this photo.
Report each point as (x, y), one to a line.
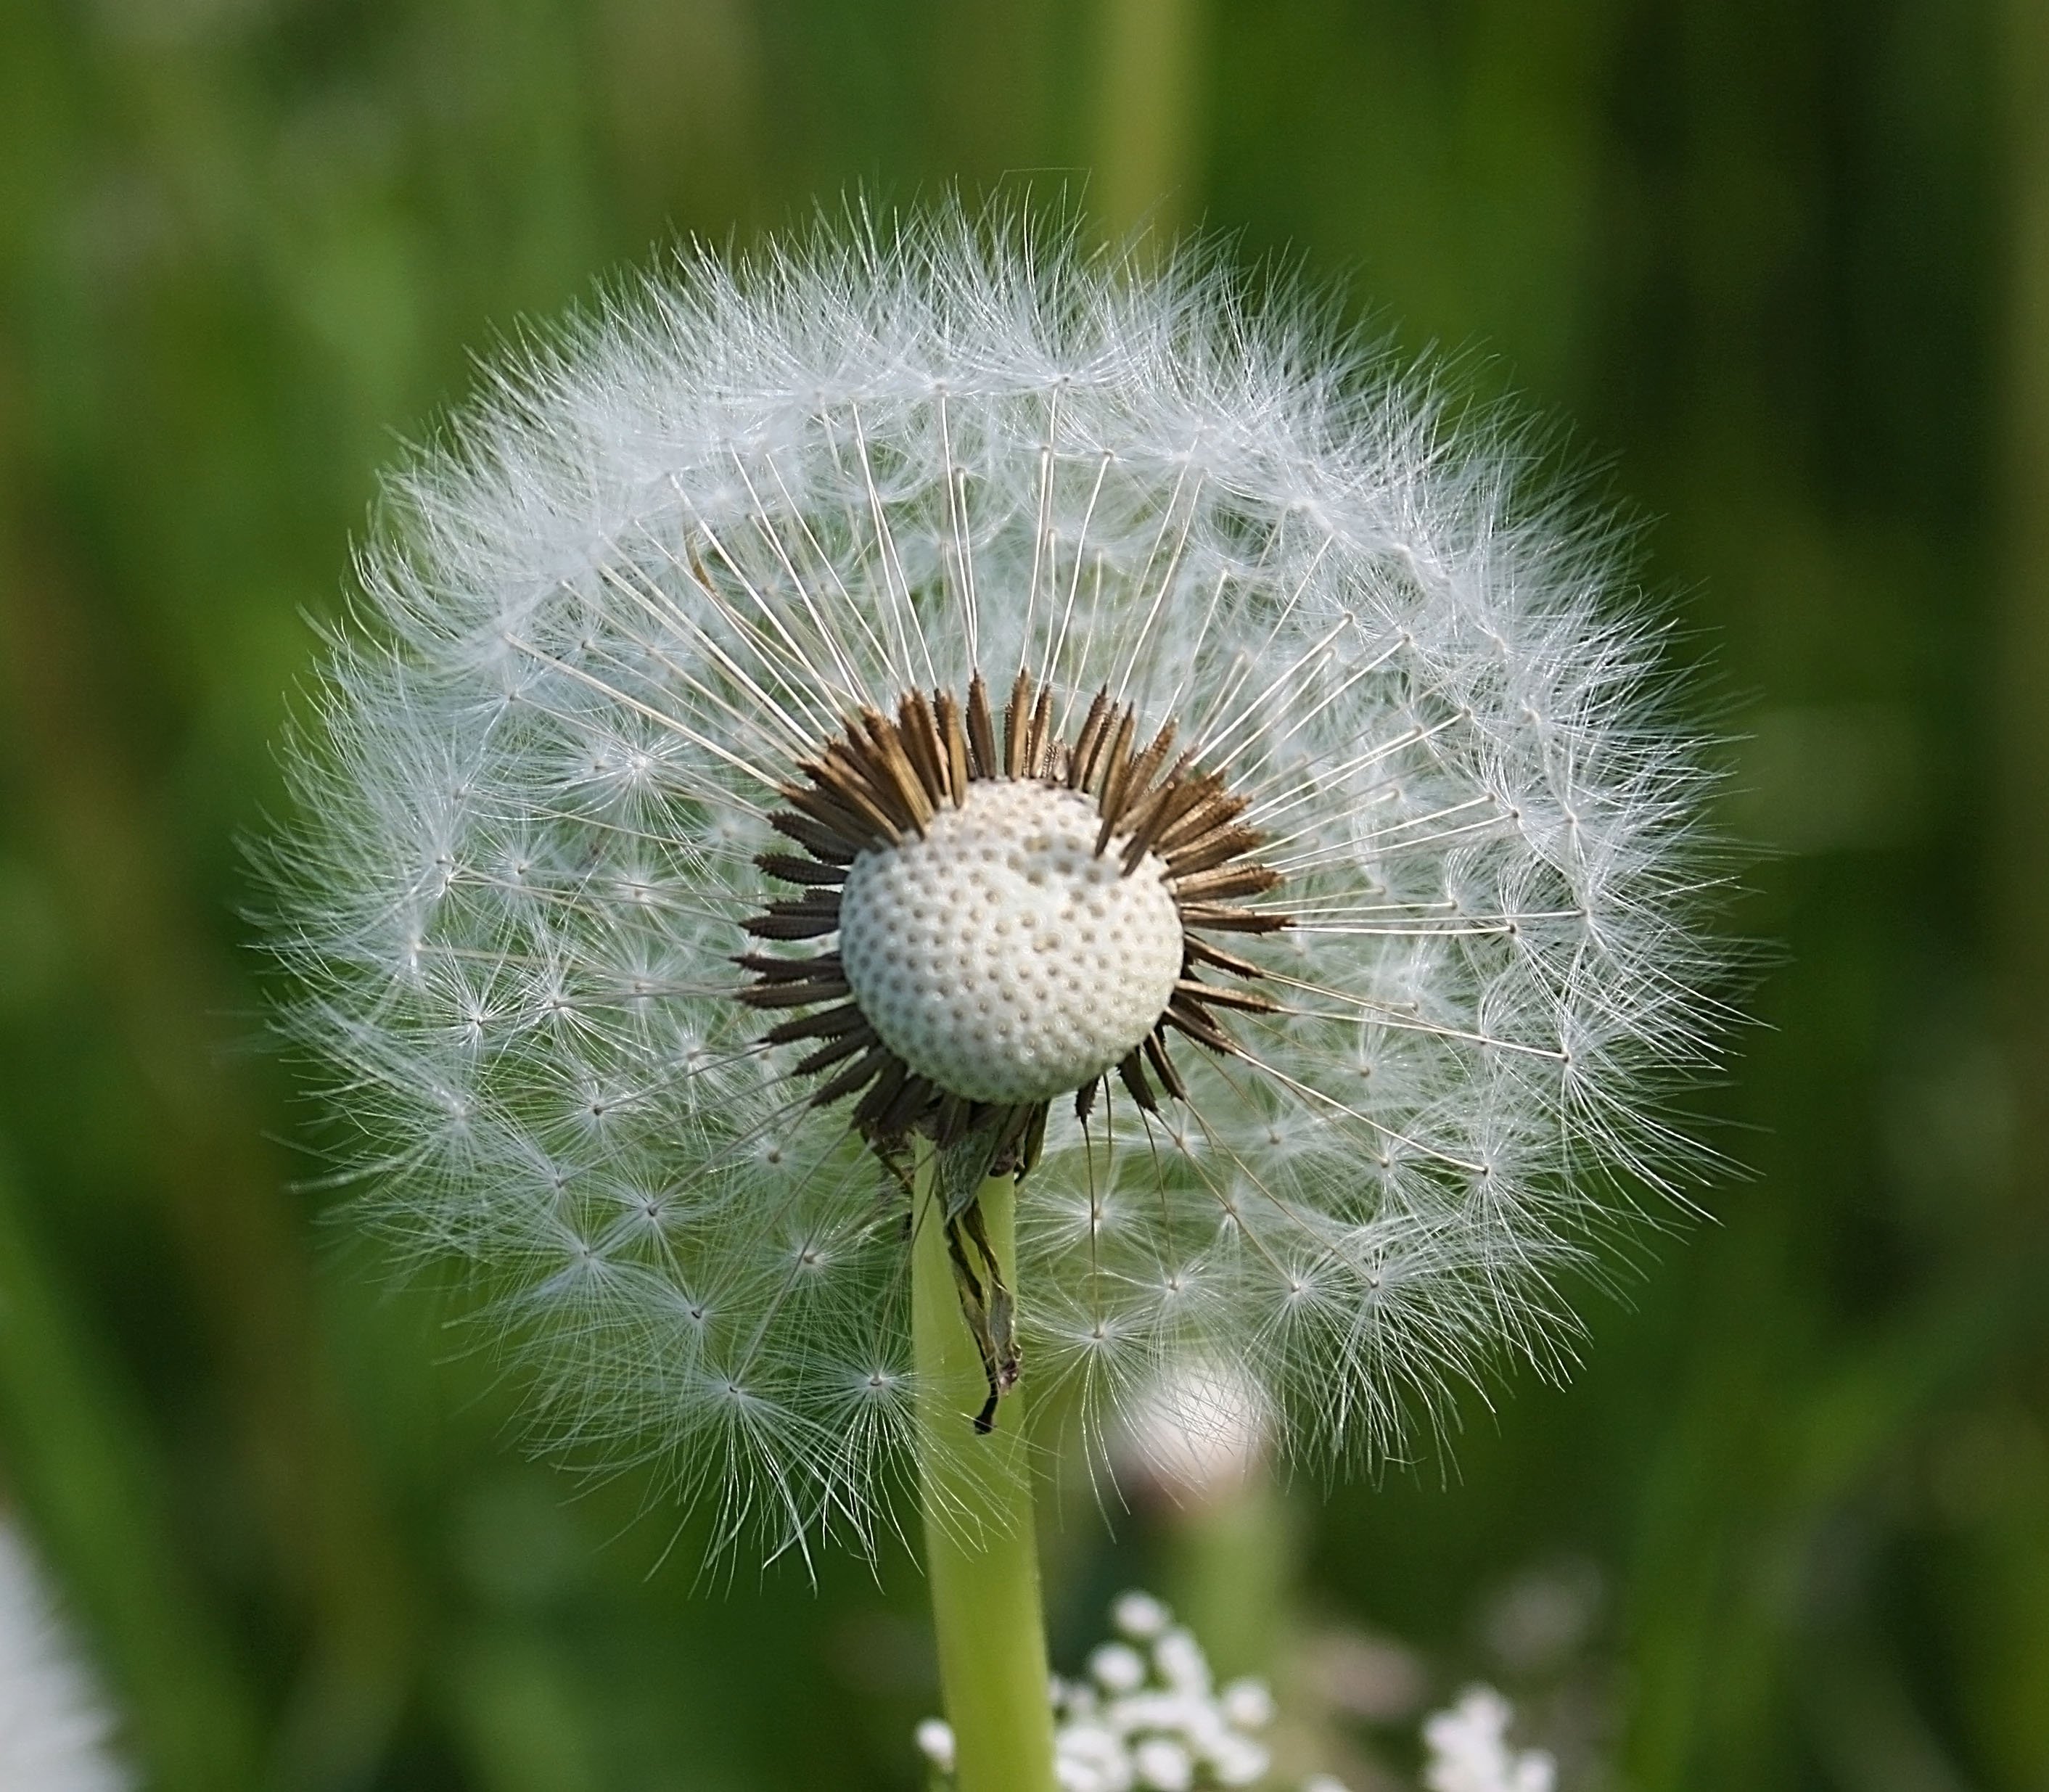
(1197, 1435)
(53, 1729)
(928, 814)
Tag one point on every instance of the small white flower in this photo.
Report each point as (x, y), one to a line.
(1239, 1761)
(1469, 1749)
(53, 1729)
(1152, 1708)
(1248, 1704)
(1076, 1699)
(1164, 1765)
(1182, 1664)
(1139, 1616)
(935, 1742)
(1124, 738)
(1089, 1757)
(1116, 1667)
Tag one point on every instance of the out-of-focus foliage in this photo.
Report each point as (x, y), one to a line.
(1786, 267)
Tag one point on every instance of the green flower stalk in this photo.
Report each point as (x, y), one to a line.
(926, 817)
(980, 1555)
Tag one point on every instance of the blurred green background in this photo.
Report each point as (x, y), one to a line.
(1784, 264)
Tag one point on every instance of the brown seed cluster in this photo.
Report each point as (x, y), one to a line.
(884, 779)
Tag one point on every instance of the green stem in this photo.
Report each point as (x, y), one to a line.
(980, 1553)
(1230, 1564)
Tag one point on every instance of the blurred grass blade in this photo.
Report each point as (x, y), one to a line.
(1146, 162)
(221, 1193)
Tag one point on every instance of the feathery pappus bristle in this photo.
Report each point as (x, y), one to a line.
(840, 703)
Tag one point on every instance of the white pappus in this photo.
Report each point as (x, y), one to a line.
(54, 1729)
(1256, 813)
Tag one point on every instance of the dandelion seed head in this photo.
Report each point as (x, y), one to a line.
(725, 678)
(54, 1730)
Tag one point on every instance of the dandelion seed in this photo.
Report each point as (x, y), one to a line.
(941, 695)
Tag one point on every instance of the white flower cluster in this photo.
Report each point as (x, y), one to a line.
(1469, 1751)
(1148, 1716)
(659, 569)
(53, 1730)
